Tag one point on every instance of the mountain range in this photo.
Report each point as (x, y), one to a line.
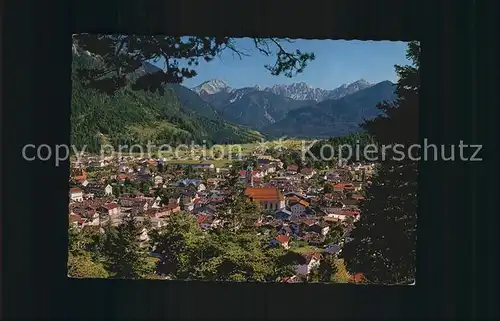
(217, 113)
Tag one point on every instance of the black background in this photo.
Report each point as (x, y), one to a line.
(457, 274)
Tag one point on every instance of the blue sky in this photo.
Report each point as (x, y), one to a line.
(337, 62)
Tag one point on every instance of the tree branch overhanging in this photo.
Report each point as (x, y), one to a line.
(121, 56)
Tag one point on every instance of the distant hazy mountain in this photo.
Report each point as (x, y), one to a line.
(252, 107)
(299, 91)
(348, 89)
(211, 87)
(333, 117)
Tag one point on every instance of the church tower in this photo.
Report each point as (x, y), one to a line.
(249, 177)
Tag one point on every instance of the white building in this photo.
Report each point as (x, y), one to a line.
(156, 203)
(108, 190)
(143, 235)
(342, 215)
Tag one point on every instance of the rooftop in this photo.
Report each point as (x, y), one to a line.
(264, 194)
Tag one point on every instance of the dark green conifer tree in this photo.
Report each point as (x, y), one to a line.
(124, 254)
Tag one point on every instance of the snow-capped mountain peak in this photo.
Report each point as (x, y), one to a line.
(303, 91)
(212, 86)
(360, 83)
(363, 81)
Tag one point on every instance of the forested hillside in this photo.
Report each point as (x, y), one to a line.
(136, 117)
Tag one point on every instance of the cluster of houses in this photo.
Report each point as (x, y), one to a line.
(300, 206)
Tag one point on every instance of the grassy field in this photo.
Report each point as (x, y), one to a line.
(191, 154)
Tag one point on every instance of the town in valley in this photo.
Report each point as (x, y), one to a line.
(303, 210)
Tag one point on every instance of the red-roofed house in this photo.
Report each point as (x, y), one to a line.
(292, 199)
(79, 175)
(76, 219)
(122, 177)
(338, 187)
(158, 212)
(308, 222)
(343, 187)
(207, 221)
(243, 174)
(357, 197)
(76, 194)
(282, 240)
(88, 215)
(212, 181)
